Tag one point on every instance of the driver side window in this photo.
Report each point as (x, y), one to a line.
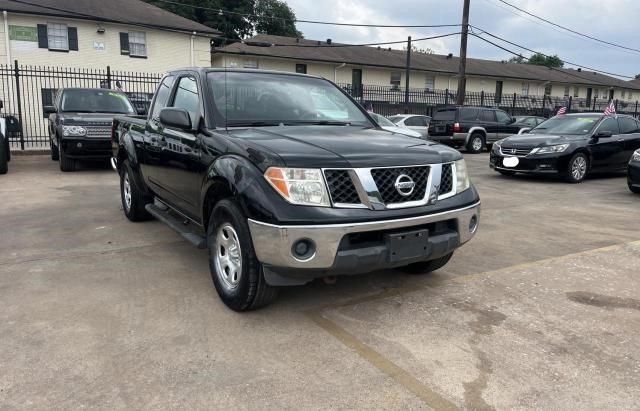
(609, 124)
(503, 117)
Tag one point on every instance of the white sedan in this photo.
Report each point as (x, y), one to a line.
(415, 122)
(386, 124)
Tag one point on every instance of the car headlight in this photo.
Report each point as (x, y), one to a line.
(636, 156)
(558, 148)
(74, 131)
(497, 145)
(302, 186)
(462, 177)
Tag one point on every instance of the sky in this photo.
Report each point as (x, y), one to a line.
(615, 21)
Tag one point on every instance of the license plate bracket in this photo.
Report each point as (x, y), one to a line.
(407, 245)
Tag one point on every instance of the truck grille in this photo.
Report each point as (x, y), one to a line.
(446, 180)
(341, 187)
(385, 179)
(98, 130)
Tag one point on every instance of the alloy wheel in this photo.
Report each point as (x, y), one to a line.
(579, 168)
(127, 191)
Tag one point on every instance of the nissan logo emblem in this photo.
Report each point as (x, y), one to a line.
(404, 185)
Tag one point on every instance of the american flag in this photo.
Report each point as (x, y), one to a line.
(562, 110)
(610, 110)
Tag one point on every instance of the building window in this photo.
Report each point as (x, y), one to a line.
(547, 90)
(301, 68)
(567, 90)
(251, 64)
(430, 82)
(137, 44)
(576, 92)
(396, 78)
(525, 89)
(58, 36)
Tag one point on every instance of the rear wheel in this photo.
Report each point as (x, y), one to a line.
(634, 189)
(577, 168)
(235, 269)
(425, 267)
(476, 143)
(133, 198)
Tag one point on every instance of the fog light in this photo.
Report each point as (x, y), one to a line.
(79, 145)
(303, 249)
(473, 224)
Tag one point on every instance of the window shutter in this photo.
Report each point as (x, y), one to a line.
(72, 33)
(124, 43)
(43, 40)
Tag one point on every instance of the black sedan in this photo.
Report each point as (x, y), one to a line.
(633, 173)
(571, 145)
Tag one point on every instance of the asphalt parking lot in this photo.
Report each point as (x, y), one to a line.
(541, 310)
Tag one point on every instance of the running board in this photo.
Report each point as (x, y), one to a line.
(182, 226)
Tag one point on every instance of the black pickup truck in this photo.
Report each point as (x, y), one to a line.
(80, 124)
(285, 178)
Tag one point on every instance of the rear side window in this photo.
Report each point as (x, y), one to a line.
(628, 125)
(447, 114)
(487, 115)
(468, 114)
(162, 96)
(416, 121)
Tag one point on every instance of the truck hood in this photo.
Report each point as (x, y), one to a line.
(341, 146)
(535, 140)
(79, 118)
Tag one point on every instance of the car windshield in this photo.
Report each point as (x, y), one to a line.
(266, 99)
(382, 121)
(95, 101)
(567, 125)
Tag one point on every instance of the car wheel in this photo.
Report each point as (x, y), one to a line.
(634, 189)
(425, 267)
(66, 163)
(235, 269)
(577, 168)
(54, 152)
(4, 167)
(132, 197)
(476, 143)
(507, 172)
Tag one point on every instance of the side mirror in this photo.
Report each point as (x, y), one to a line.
(175, 117)
(49, 109)
(604, 134)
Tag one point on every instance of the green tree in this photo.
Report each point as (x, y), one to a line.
(539, 59)
(275, 17)
(416, 49)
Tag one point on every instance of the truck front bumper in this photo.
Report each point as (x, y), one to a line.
(338, 249)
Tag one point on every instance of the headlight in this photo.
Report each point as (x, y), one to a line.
(558, 148)
(462, 176)
(497, 145)
(74, 131)
(301, 186)
(636, 156)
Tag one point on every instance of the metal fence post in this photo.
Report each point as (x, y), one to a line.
(108, 77)
(544, 102)
(19, 102)
(513, 105)
(635, 113)
(446, 97)
(570, 104)
(482, 98)
(616, 104)
(594, 104)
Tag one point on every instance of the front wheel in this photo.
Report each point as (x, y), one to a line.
(235, 269)
(66, 163)
(476, 143)
(132, 197)
(577, 168)
(425, 267)
(634, 189)
(54, 152)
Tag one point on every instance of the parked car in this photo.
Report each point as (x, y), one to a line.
(5, 150)
(415, 122)
(571, 145)
(633, 172)
(471, 127)
(80, 124)
(242, 162)
(386, 124)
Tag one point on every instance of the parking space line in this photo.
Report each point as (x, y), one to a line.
(400, 375)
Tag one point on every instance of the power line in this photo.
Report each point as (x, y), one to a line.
(545, 55)
(330, 23)
(568, 29)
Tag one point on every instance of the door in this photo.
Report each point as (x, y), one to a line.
(419, 124)
(153, 154)
(487, 120)
(630, 132)
(606, 152)
(498, 98)
(507, 126)
(179, 173)
(356, 82)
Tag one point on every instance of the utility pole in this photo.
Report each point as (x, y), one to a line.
(406, 77)
(462, 69)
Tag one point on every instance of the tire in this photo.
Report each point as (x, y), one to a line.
(425, 267)
(54, 152)
(4, 167)
(238, 278)
(66, 163)
(577, 168)
(634, 189)
(133, 198)
(476, 143)
(507, 172)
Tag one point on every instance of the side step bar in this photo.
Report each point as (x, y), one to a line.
(163, 214)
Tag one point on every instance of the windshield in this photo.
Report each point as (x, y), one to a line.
(567, 125)
(264, 99)
(95, 101)
(382, 121)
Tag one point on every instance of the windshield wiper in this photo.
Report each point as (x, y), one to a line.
(322, 122)
(254, 124)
